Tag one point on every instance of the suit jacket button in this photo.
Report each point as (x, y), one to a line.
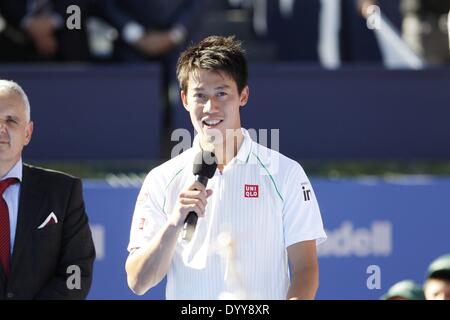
(10, 295)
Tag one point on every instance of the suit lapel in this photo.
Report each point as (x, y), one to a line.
(30, 201)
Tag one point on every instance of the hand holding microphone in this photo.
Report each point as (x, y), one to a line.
(192, 201)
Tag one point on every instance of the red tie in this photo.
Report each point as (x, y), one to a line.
(4, 226)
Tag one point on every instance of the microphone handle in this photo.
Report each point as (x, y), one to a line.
(203, 180)
(189, 226)
(191, 219)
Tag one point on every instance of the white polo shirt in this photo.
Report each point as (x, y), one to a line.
(262, 201)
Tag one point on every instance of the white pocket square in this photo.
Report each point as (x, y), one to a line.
(51, 219)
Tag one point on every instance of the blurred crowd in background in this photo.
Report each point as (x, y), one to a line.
(435, 287)
(330, 32)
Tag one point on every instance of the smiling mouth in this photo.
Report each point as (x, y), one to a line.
(211, 123)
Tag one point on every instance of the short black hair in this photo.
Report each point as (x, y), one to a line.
(216, 53)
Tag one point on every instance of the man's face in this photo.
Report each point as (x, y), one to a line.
(213, 102)
(15, 130)
(437, 289)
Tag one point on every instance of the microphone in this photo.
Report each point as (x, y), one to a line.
(205, 164)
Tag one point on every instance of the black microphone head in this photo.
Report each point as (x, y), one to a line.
(205, 164)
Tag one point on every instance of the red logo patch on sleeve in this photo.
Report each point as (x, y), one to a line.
(251, 191)
(141, 223)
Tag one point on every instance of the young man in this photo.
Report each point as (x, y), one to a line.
(259, 209)
(44, 231)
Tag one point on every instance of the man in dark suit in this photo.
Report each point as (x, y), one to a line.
(46, 247)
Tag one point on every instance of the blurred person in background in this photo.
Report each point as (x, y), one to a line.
(325, 31)
(294, 27)
(424, 27)
(35, 30)
(437, 284)
(154, 31)
(151, 28)
(404, 290)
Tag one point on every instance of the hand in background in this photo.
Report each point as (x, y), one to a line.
(363, 6)
(41, 29)
(155, 43)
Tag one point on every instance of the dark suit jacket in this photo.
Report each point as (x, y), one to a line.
(153, 14)
(41, 257)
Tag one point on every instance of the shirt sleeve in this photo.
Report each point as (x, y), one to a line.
(301, 214)
(148, 216)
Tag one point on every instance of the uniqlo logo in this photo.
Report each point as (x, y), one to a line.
(251, 191)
